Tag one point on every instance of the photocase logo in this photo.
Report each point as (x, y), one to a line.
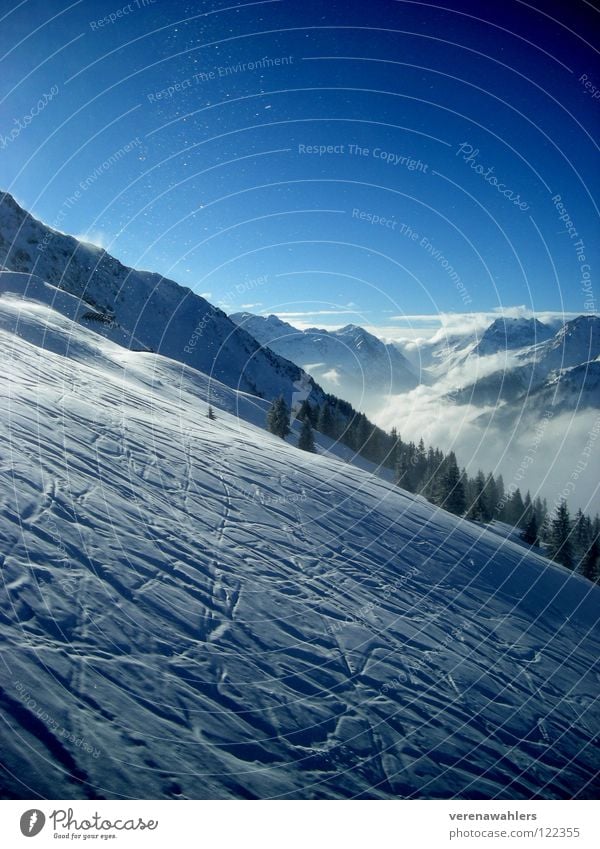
(32, 822)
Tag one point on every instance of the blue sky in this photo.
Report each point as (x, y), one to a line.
(334, 162)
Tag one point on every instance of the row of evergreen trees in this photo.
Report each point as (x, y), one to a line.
(429, 472)
(278, 422)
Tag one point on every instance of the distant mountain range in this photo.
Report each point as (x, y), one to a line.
(508, 334)
(350, 361)
(558, 370)
(515, 365)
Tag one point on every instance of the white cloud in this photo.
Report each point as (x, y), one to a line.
(413, 331)
(333, 376)
(307, 313)
(96, 238)
(469, 322)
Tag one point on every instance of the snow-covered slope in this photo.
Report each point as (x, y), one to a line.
(153, 312)
(194, 608)
(19, 287)
(575, 388)
(349, 362)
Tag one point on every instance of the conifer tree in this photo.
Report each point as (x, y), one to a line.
(306, 412)
(211, 413)
(530, 534)
(590, 567)
(325, 424)
(395, 446)
(515, 509)
(478, 509)
(452, 483)
(404, 472)
(306, 440)
(540, 512)
(527, 510)
(500, 497)
(560, 547)
(364, 431)
(581, 536)
(492, 496)
(429, 483)
(278, 418)
(420, 462)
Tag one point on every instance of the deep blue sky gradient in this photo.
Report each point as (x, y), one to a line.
(216, 192)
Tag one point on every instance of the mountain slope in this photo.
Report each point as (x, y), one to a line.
(506, 334)
(153, 312)
(349, 361)
(196, 609)
(577, 342)
(569, 390)
(553, 372)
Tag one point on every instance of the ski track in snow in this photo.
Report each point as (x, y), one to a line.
(181, 637)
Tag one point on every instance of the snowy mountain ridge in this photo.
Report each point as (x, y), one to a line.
(153, 312)
(508, 333)
(546, 372)
(349, 361)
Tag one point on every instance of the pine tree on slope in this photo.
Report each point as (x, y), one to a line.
(325, 424)
(590, 567)
(278, 418)
(452, 483)
(560, 547)
(530, 535)
(306, 440)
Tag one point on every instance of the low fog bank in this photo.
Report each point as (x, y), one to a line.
(553, 456)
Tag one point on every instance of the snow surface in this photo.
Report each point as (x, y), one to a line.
(197, 609)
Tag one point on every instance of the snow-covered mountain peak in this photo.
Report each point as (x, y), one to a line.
(584, 328)
(506, 334)
(351, 328)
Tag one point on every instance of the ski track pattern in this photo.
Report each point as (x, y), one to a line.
(181, 636)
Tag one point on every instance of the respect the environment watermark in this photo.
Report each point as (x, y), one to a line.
(88, 181)
(405, 230)
(216, 73)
